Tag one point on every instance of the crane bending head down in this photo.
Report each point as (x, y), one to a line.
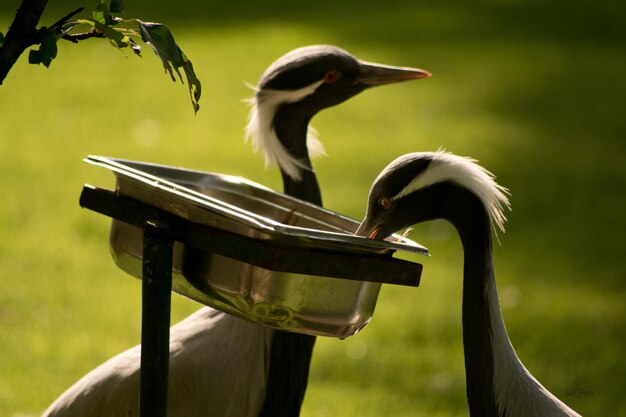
(425, 186)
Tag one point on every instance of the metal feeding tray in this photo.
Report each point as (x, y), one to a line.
(306, 303)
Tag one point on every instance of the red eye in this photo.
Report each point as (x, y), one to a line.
(332, 77)
(385, 203)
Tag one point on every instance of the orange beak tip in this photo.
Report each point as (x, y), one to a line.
(374, 233)
(418, 74)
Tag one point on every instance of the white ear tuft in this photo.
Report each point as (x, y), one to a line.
(260, 129)
(315, 147)
(468, 174)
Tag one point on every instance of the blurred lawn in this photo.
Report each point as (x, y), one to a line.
(536, 91)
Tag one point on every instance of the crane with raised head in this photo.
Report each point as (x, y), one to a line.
(221, 365)
(425, 186)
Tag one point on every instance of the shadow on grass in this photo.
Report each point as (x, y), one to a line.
(551, 75)
(391, 21)
(554, 70)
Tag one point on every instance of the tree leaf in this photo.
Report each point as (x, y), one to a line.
(104, 11)
(66, 28)
(195, 88)
(117, 38)
(101, 14)
(158, 36)
(1, 39)
(116, 6)
(162, 42)
(47, 50)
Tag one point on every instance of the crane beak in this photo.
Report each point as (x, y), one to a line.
(378, 74)
(367, 231)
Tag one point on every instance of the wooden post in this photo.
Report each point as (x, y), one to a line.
(155, 324)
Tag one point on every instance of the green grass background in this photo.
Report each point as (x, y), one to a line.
(535, 90)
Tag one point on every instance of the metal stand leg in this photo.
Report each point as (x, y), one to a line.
(156, 304)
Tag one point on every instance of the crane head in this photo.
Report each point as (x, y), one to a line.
(305, 81)
(425, 186)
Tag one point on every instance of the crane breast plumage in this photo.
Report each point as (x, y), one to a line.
(204, 374)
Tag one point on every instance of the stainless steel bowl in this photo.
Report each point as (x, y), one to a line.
(294, 302)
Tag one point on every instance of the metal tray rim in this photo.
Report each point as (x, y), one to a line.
(263, 224)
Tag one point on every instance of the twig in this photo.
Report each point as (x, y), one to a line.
(22, 34)
(76, 37)
(59, 23)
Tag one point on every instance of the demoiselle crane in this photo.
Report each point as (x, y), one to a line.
(221, 365)
(419, 187)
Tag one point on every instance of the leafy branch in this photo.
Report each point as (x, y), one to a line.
(121, 33)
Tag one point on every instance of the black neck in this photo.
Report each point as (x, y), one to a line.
(306, 189)
(472, 222)
(291, 352)
(288, 374)
(291, 125)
